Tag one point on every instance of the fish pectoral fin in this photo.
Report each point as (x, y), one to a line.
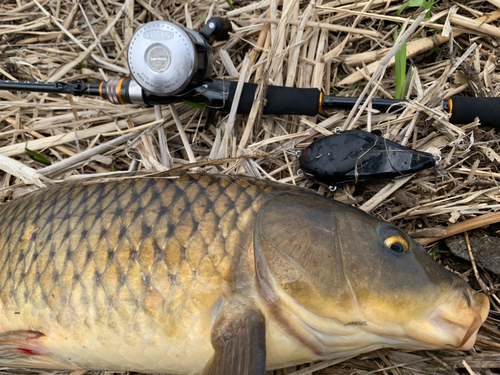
(239, 340)
(27, 349)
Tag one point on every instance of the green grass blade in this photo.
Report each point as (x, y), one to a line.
(37, 157)
(411, 4)
(427, 5)
(195, 104)
(400, 68)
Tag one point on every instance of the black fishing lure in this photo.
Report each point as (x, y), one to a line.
(355, 155)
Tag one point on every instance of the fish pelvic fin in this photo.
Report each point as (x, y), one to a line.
(239, 340)
(26, 349)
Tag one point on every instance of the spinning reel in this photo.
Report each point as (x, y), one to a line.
(164, 59)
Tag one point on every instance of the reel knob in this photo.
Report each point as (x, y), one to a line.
(165, 58)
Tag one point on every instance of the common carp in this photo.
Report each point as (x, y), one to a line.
(215, 275)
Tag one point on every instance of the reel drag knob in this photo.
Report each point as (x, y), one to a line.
(165, 58)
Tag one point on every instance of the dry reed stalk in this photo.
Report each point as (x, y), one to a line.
(71, 162)
(264, 4)
(298, 43)
(257, 107)
(234, 107)
(28, 175)
(165, 157)
(413, 48)
(377, 76)
(479, 27)
(182, 134)
(320, 25)
(463, 226)
(320, 366)
(364, 13)
(56, 140)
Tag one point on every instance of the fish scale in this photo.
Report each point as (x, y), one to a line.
(129, 256)
(216, 275)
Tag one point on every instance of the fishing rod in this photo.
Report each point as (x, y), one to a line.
(171, 64)
(218, 94)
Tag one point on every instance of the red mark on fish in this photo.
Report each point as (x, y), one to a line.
(28, 351)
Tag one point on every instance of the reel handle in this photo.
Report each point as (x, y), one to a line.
(217, 28)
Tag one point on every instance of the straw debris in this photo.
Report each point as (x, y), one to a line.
(344, 48)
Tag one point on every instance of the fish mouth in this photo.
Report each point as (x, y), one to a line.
(458, 319)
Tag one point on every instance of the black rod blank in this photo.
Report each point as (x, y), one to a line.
(343, 103)
(73, 88)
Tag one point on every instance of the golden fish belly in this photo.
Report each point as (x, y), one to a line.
(124, 275)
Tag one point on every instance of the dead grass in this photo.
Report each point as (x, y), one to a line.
(340, 46)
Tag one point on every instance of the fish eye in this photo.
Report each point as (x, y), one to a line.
(397, 244)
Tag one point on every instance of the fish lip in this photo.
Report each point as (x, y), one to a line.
(453, 327)
(477, 310)
(481, 315)
(473, 329)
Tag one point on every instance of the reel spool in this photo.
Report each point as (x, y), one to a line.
(165, 58)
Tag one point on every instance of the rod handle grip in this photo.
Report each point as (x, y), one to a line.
(465, 109)
(280, 100)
